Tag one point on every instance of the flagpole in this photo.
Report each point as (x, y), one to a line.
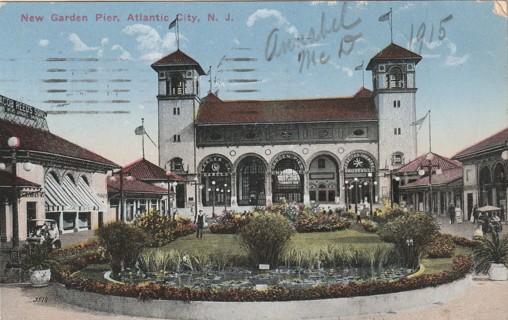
(363, 78)
(391, 29)
(177, 35)
(430, 139)
(143, 136)
(210, 78)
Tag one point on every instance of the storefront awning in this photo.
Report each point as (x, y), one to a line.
(70, 196)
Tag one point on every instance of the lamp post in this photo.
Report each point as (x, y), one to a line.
(225, 196)
(356, 194)
(391, 187)
(346, 191)
(170, 175)
(14, 143)
(213, 199)
(429, 166)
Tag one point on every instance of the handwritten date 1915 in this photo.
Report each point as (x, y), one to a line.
(420, 34)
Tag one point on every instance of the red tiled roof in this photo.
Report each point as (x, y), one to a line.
(393, 52)
(421, 162)
(133, 186)
(33, 139)
(6, 177)
(177, 58)
(215, 111)
(498, 139)
(363, 93)
(143, 169)
(447, 177)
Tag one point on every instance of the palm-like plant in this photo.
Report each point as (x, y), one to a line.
(490, 250)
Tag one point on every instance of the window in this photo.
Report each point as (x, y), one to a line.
(396, 131)
(176, 164)
(175, 85)
(396, 79)
(397, 158)
(321, 163)
(396, 103)
(176, 111)
(176, 138)
(359, 132)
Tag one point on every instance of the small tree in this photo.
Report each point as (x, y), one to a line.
(123, 242)
(410, 233)
(490, 250)
(157, 227)
(266, 237)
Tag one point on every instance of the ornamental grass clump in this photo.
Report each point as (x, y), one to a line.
(265, 238)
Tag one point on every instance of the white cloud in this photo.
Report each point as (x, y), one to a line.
(125, 55)
(43, 43)
(104, 41)
(80, 45)
(361, 4)
(266, 14)
(150, 44)
(453, 60)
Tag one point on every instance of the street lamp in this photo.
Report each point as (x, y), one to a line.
(14, 144)
(171, 176)
(346, 191)
(356, 194)
(429, 166)
(122, 191)
(213, 198)
(397, 178)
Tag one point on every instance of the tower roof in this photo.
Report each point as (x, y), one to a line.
(393, 52)
(177, 58)
(423, 161)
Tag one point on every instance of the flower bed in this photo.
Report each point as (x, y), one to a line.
(441, 246)
(229, 222)
(320, 222)
(460, 268)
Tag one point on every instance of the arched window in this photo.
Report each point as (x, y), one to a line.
(176, 85)
(176, 165)
(396, 78)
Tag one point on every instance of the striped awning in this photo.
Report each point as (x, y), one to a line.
(70, 196)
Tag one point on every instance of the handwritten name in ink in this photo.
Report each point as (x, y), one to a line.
(275, 47)
(131, 17)
(421, 33)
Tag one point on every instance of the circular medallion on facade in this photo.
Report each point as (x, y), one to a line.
(268, 152)
(305, 151)
(215, 166)
(341, 150)
(232, 153)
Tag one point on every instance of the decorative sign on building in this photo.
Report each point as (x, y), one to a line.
(216, 166)
(359, 163)
(287, 156)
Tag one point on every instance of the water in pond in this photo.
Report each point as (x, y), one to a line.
(240, 278)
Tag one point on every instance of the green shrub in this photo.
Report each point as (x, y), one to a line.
(410, 233)
(158, 227)
(265, 238)
(123, 242)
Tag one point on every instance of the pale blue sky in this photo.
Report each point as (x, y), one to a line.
(462, 77)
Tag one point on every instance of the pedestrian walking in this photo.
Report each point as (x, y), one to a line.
(458, 214)
(200, 224)
(475, 213)
(451, 213)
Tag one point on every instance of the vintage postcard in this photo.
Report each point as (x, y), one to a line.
(205, 110)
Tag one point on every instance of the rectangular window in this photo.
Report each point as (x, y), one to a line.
(396, 103)
(396, 131)
(321, 163)
(176, 138)
(176, 111)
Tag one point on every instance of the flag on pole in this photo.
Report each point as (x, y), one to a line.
(139, 131)
(385, 16)
(360, 67)
(419, 122)
(172, 24)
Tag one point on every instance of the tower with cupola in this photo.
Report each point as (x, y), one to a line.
(178, 103)
(394, 93)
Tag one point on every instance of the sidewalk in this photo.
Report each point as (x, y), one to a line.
(486, 300)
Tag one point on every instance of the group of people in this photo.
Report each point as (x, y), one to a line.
(455, 213)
